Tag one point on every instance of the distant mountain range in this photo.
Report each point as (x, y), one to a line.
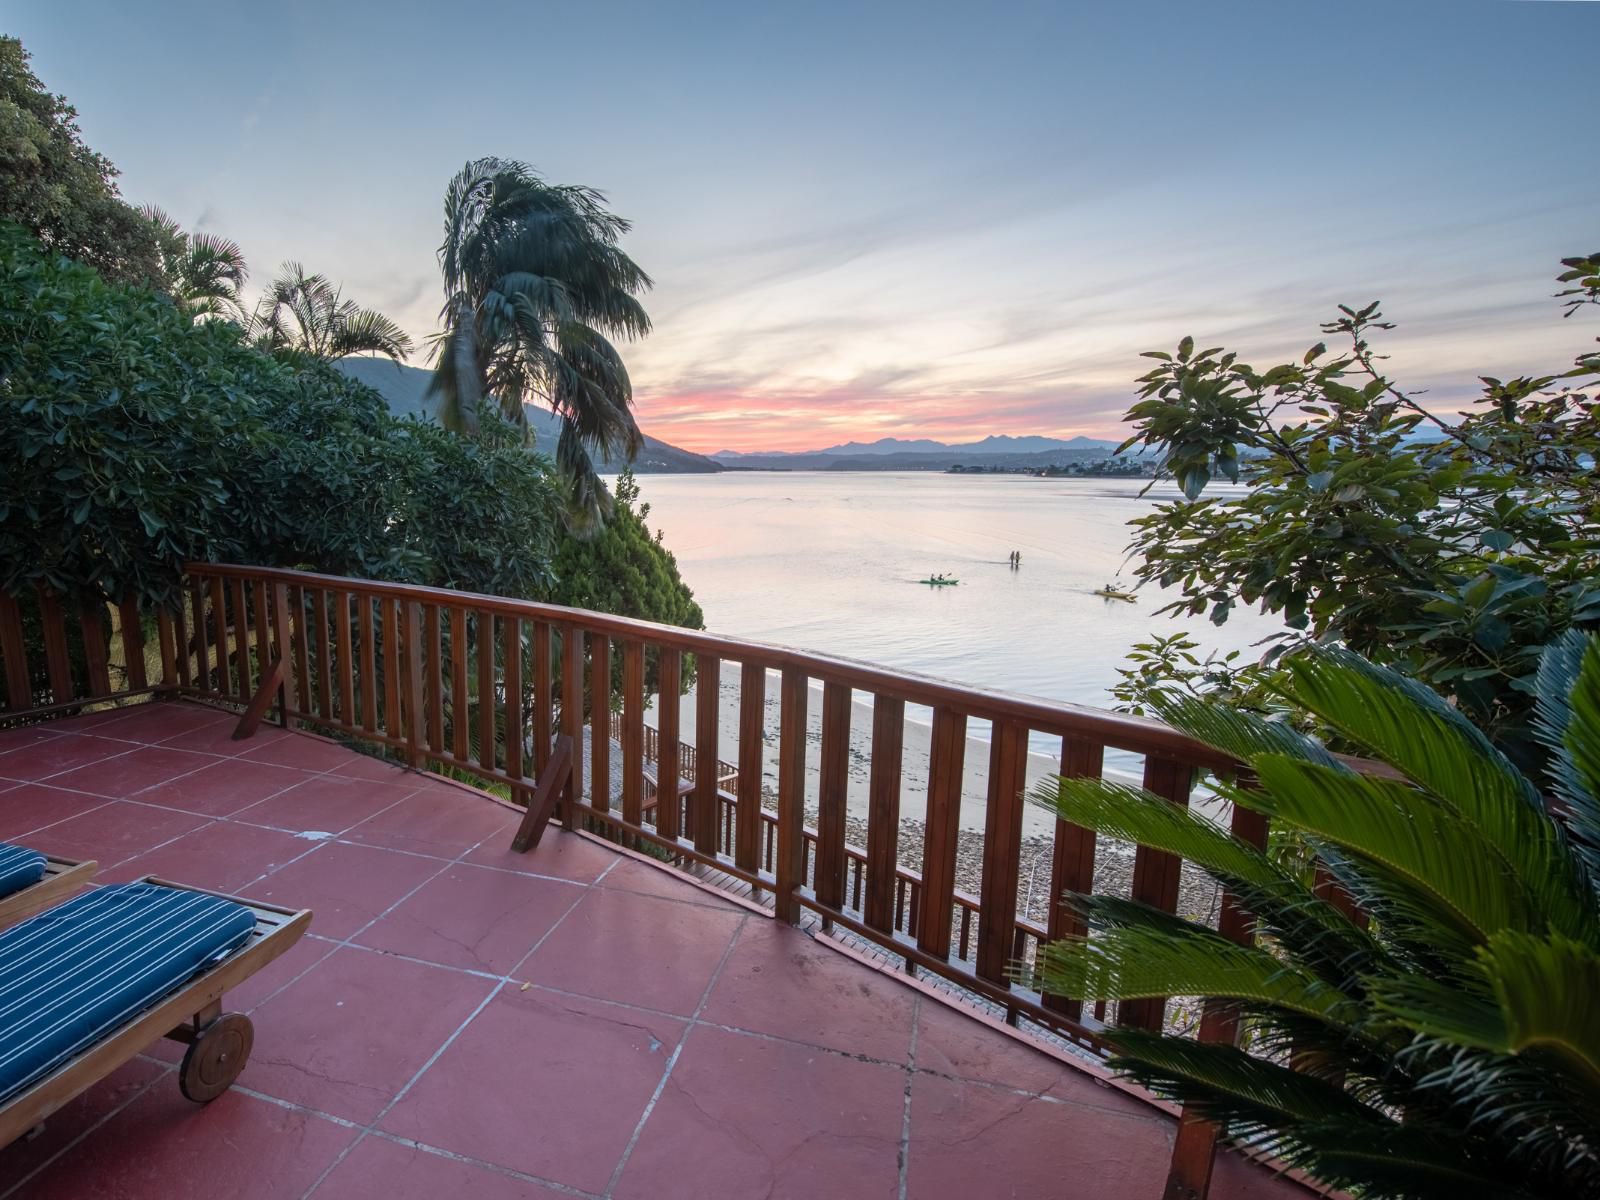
(925, 454)
(406, 390)
(988, 447)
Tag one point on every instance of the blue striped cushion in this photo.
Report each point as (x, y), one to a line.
(19, 868)
(72, 975)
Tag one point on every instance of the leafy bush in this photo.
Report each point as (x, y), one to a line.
(1453, 550)
(137, 440)
(1448, 1048)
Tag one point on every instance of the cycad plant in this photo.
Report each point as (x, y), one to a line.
(535, 286)
(1449, 1046)
(309, 313)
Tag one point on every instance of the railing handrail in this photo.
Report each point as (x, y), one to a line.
(1057, 718)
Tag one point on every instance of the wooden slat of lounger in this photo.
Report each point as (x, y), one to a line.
(62, 877)
(277, 929)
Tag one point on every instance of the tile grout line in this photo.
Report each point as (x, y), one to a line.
(16, 1188)
(449, 1041)
(677, 1052)
(905, 1117)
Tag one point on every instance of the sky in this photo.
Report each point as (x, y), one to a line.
(910, 220)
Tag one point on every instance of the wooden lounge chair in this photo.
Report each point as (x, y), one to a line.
(191, 1012)
(61, 878)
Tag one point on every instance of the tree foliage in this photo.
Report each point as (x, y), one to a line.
(535, 286)
(204, 273)
(1449, 1047)
(1454, 549)
(58, 189)
(137, 439)
(310, 313)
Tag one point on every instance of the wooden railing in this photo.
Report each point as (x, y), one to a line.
(484, 684)
(55, 659)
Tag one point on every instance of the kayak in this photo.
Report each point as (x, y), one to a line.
(1113, 594)
(940, 582)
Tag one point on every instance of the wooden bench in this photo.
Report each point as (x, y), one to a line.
(219, 1043)
(62, 877)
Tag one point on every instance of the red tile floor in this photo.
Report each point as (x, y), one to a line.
(465, 1021)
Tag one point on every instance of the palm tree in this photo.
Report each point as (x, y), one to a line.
(205, 273)
(1449, 1047)
(308, 313)
(535, 285)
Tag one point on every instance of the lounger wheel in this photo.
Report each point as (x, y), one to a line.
(215, 1057)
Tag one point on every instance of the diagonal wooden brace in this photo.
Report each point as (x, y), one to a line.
(271, 685)
(552, 780)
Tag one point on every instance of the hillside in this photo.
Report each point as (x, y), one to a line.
(406, 390)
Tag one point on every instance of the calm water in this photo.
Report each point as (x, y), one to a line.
(829, 561)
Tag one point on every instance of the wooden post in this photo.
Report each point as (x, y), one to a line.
(131, 623)
(512, 670)
(541, 805)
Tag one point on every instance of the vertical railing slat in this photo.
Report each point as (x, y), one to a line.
(1156, 877)
(219, 630)
(752, 744)
(572, 710)
(131, 623)
(1072, 862)
(1002, 849)
(181, 645)
(263, 625)
(92, 625)
(942, 832)
(511, 630)
(883, 810)
(632, 732)
(484, 628)
(241, 638)
(369, 662)
(704, 815)
(433, 689)
(669, 804)
(388, 622)
(460, 698)
(19, 686)
(284, 630)
(347, 666)
(600, 722)
(57, 659)
(167, 640)
(540, 718)
(790, 867)
(833, 794)
(202, 676)
(319, 618)
(410, 650)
